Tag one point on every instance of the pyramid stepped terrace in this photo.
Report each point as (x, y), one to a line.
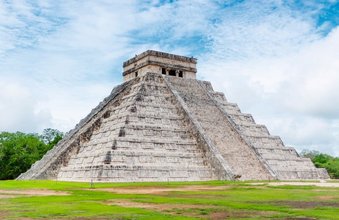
(162, 124)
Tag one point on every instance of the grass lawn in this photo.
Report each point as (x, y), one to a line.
(185, 200)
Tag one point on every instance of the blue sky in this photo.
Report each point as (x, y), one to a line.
(279, 60)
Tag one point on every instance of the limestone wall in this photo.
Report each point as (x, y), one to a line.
(156, 62)
(283, 162)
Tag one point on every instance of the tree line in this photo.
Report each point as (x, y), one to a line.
(18, 151)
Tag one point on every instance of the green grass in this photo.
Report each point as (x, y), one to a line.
(231, 200)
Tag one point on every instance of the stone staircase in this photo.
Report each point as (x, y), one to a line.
(143, 139)
(242, 160)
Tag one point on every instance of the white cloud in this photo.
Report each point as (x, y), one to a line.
(63, 57)
(69, 105)
(294, 93)
(315, 79)
(68, 71)
(19, 110)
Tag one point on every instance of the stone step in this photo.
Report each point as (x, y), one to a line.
(134, 107)
(297, 174)
(250, 136)
(253, 130)
(219, 97)
(134, 94)
(277, 153)
(149, 83)
(156, 141)
(143, 121)
(290, 164)
(145, 179)
(190, 146)
(156, 90)
(142, 136)
(266, 141)
(155, 99)
(141, 117)
(155, 114)
(131, 132)
(161, 105)
(138, 166)
(142, 82)
(156, 127)
(135, 172)
(149, 148)
(142, 97)
(110, 128)
(136, 175)
(242, 118)
(165, 123)
(150, 107)
(298, 159)
(138, 153)
(230, 108)
(174, 162)
(121, 109)
(207, 85)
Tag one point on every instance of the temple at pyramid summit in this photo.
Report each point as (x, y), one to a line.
(162, 124)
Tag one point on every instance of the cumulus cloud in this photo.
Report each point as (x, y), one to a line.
(277, 61)
(19, 109)
(293, 93)
(313, 73)
(65, 61)
(69, 105)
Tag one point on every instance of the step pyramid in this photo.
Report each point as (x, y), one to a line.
(162, 124)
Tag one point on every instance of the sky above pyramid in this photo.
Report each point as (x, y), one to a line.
(277, 59)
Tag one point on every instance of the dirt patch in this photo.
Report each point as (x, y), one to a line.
(159, 190)
(198, 196)
(36, 192)
(201, 211)
(91, 218)
(7, 215)
(306, 204)
(325, 198)
(300, 218)
(156, 206)
(219, 215)
(3, 214)
(7, 196)
(238, 214)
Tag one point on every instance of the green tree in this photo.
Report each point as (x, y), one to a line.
(51, 136)
(18, 151)
(321, 160)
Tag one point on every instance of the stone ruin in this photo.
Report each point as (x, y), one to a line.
(162, 124)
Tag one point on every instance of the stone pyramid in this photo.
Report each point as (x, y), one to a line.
(162, 124)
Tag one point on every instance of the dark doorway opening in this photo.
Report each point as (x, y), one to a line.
(136, 74)
(172, 73)
(180, 74)
(163, 71)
